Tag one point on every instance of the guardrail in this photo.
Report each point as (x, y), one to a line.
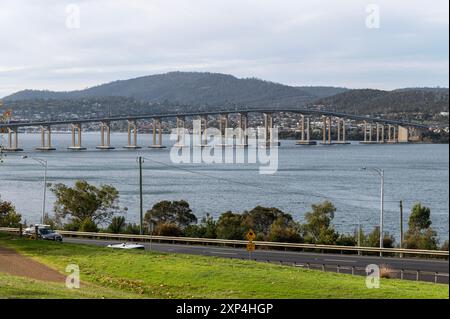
(188, 240)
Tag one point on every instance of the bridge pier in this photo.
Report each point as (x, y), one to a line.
(181, 130)
(46, 146)
(341, 132)
(203, 138)
(392, 134)
(303, 140)
(132, 135)
(76, 138)
(368, 131)
(157, 125)
(243, 125)
(105, 127)
(223, 127)
(13, 140)
(326, 138)
(268, 131)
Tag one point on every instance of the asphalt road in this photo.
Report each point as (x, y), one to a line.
(345, 263)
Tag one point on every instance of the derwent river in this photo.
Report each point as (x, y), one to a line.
(306, 175)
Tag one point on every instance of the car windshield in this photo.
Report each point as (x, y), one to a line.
(46, 231)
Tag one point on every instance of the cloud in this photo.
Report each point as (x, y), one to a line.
(294, 42)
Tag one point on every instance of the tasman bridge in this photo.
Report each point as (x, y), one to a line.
(376, 130)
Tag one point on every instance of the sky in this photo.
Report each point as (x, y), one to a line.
(66, 45)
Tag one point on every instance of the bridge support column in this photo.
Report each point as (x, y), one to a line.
(223, 127)
(268, 128)
(132, 135)
(392, 134)
(105, 128)
(326, 133)
(203, 138)
(341, 135)
(46, 144)
(378, 132)
(243, 124)
(157, 125)
(181, 142)
(76, 138)
(13, 140)
(305, 141)
(368, 130)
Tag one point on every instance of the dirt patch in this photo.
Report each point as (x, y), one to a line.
(15, 264)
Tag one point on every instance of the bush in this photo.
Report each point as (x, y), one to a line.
(206, 229)
(230, 226)
(117, 225)
(346, 240)
(279, 232)
(8, 215)
(168, 229)
(386, 272)
(88, 225)
(373, 239)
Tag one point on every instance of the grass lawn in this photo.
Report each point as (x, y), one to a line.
(126, 274)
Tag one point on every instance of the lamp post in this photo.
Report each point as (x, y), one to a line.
(380, 172)
(43, 163)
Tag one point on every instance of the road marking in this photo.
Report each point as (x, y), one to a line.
(340, 261)
(219, 252)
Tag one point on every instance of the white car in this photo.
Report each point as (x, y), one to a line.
(127, 246)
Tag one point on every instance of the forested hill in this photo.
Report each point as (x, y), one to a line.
(367, 101)
(192, 88)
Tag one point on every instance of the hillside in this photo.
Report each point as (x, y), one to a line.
(193, 91)
(368, 101)
(145, 274)
(191, 88)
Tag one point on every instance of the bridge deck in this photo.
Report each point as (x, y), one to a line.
(150, 116)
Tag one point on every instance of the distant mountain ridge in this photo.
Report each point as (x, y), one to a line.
(194, 91)
(191, 88)
(367, 101)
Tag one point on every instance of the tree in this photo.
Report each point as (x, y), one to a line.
(168, 229)
(167, 212)
(260, 219)
(86, 205)
(420, 235)
(206, 229)
(280, 231)
(318, 228)
(420, 217)
(230, 226)
(373, 239)
(117, 225)
(8, 215)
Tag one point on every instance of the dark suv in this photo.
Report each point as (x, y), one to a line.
(49, 234)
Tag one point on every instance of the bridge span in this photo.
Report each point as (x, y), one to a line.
(385, 130)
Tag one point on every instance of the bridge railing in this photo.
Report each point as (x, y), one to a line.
(243, 243)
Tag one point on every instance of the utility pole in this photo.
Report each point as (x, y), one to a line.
(401, 226)
(141, 208)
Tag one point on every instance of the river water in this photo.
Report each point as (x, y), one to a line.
(306, 175)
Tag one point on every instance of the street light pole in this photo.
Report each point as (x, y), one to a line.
(141, 208)
(380, 172)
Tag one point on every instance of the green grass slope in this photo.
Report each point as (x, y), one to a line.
(159, 275)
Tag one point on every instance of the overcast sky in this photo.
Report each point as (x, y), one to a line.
(316, 42)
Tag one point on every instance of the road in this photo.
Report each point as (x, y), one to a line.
(427, 267)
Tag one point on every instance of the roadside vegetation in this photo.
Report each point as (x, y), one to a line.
(88, 208)
(141, 274)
